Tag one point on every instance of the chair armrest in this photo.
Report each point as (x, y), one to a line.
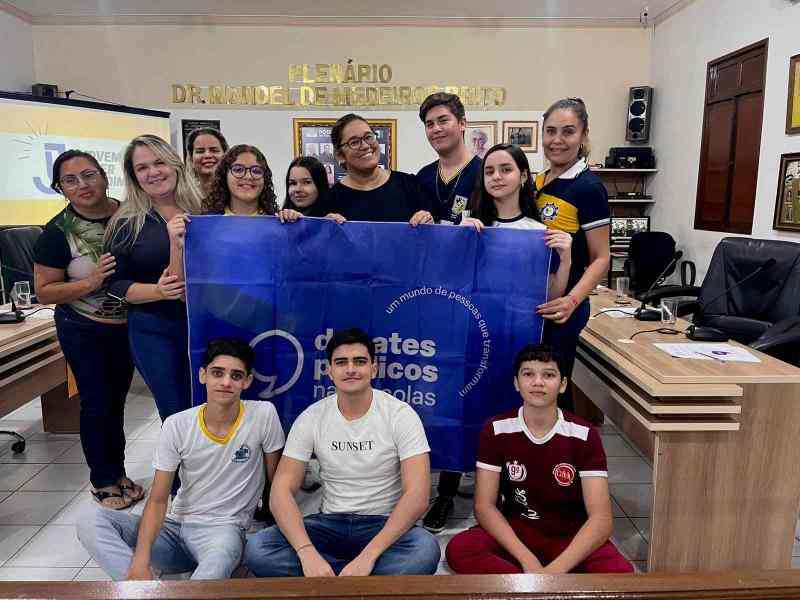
(781, 333)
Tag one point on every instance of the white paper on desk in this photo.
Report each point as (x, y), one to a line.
(34, 313)
(702, 351)
(618, 312)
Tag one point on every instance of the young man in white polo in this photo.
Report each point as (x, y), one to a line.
(224, 449)
(375, 472)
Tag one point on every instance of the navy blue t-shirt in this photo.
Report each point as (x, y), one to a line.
(450, 198)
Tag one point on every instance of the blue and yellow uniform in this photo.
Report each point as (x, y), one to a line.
(575, 202)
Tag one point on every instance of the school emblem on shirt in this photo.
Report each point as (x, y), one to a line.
(516, 471)
(549, 211)
(564, 474)
(459, 204)
(242, 454)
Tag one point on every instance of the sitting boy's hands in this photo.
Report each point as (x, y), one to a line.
(313, 564)
(360, 565)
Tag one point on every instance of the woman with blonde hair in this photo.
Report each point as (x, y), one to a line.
(158, 188)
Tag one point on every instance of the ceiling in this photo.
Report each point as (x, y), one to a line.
(347, 12)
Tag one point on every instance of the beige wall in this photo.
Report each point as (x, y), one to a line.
(136, 65)
(16, 49)
(682, 46)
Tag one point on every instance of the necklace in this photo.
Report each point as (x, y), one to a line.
(448, 199)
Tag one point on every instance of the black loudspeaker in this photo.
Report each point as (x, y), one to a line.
(44, 90)
(640, 109)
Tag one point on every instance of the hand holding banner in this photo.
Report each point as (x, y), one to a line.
(446, 306)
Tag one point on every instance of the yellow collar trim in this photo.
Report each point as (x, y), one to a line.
(201, 420)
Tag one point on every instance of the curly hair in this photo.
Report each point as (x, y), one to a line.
(220, 197)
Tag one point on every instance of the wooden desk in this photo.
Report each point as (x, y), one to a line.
(31, 365)
(721, 438)
(764, 585)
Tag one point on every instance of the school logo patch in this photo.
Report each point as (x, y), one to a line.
(549, 212)
(516, 471)
(459, 204)
(242, 454)
(564, 474)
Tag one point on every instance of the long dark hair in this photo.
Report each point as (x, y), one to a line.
(320, 179)
(220, 197)
(482, 205)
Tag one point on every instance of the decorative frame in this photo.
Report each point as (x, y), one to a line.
(515, 132)
(787, 202)
(315, 134)
(626, 227)
(793, 96)
(480, 136)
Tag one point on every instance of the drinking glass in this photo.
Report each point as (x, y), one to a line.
(669, 310)
(22, 294)
(623, 290)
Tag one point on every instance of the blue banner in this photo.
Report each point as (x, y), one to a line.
(447, 307)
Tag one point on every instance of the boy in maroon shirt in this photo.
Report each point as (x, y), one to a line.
(550, 468)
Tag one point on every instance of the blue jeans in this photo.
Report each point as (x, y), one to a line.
(210, 551)
(339, 538)
(160, 349)
(100, 359)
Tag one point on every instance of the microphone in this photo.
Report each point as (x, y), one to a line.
(653, 314)
(711, 334)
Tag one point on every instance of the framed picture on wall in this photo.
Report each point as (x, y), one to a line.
(787, 204)
(312, 137)
(793, 101)
(524, 134)
(625, 227)
(480, 136)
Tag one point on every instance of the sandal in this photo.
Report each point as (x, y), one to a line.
(130, 489)
(111, 500)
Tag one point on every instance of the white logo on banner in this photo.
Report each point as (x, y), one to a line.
(271, 391)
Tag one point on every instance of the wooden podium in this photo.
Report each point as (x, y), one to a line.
(720, 437)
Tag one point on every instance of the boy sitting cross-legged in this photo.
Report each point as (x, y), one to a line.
(550, 468)
(222, 448)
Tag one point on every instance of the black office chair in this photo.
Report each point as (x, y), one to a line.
(16, 264)
(649, 253)
(764, 311)
(16, 256)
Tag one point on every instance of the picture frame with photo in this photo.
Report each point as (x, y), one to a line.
(524, 134)
(793, 99)
(312, 137)
(625, 227)
(480, 136)
(787, 202)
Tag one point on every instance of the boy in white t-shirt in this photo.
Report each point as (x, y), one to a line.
(375, 472)
(222, 448)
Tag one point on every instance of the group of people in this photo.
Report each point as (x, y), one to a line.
(114, 270)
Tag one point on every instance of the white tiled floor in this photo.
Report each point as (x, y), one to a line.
(44, 492)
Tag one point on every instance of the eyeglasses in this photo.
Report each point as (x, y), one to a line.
(355, 143)
(239, 171)
(73, 181)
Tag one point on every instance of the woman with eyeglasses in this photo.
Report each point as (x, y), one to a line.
(204, 149)
(242, 186)
(71, 271)
(158, 187)
(368, 192)
(573, 199)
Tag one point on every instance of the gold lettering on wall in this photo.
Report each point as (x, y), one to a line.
(334, 84)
